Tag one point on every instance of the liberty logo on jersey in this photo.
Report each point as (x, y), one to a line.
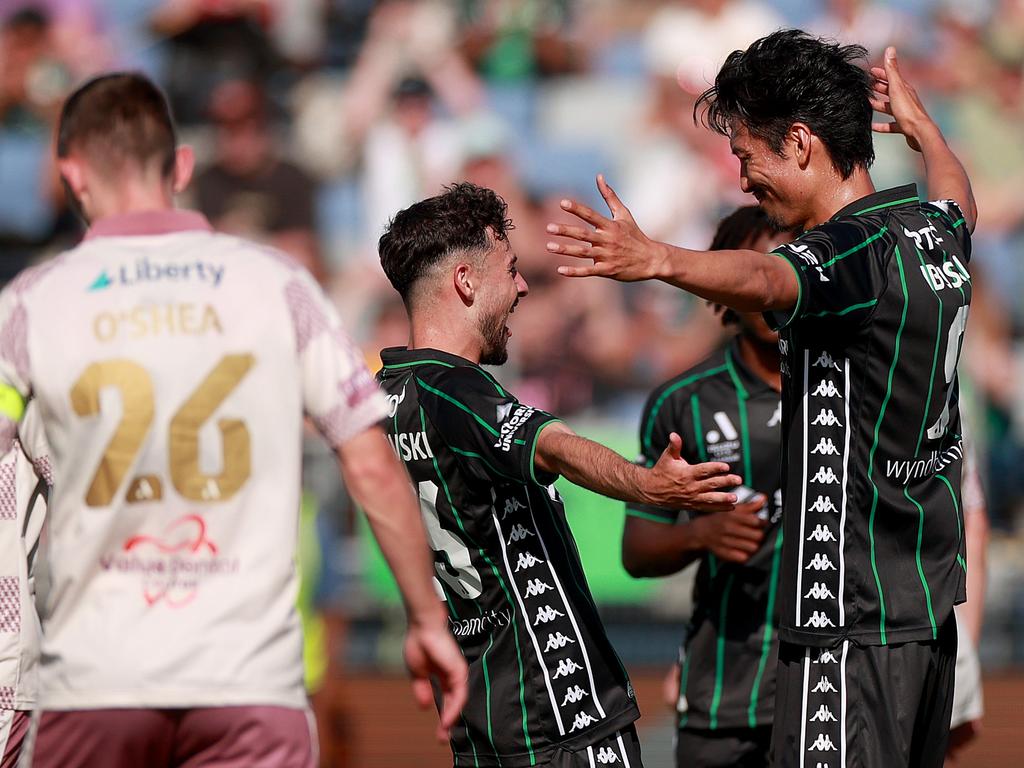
(145, 271)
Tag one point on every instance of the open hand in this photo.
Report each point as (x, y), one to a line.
(431, 652)
(892, 95)
(617, 246)
(735, 534)
(676, 484)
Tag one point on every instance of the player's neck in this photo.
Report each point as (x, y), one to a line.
(838, 194)
(762, 359)
(127, 198)
(438, 335)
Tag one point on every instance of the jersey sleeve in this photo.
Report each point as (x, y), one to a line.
(338, 392)
(15, 385)
(840, 268)
(493, 434)
(951, 217)
(660, 419)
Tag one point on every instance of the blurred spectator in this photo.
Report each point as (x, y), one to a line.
(249, 189)
(863, 22)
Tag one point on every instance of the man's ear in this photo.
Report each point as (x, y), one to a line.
(465, 283)
(800, 138)
(73, 174)
(184, 165)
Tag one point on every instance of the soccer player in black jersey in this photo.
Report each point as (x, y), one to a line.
(726, 408)
(872, 302)
(545, 685)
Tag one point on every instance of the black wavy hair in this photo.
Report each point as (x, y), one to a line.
(424, 234)
(739, 230)
(790, 76)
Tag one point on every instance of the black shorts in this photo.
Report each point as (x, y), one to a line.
(865, 707)
(621, 749)
(724, 747)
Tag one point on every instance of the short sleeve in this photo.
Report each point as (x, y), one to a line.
(947, 215)
(338, 392)
(494, 434)
(840, 268)
(15, 385)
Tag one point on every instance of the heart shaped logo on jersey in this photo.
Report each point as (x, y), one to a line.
(170, 574)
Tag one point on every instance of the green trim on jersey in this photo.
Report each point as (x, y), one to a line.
(533, 449)
(487, 690)
(920, 568)
(741, 406)
(935, 362)
(799, 306)
(859, 246)
(845, 311)
(698, 427)
(457, 404)
(874, 447)
(684, 676)
(649, 428)
(410, 364)
(480, 457)
(716, 697)
(766, 645)
(890, 204)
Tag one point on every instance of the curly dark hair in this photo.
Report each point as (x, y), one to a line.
(424, 234)
(790, 76)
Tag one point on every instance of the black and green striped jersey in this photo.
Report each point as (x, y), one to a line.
(871, 427)
(543, 674)
(725, 412)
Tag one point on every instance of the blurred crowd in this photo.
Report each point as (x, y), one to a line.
(314, 121)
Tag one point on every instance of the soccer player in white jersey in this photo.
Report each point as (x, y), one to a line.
(172, 367)
(24, 484)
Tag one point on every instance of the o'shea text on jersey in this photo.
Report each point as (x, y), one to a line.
(151, 321)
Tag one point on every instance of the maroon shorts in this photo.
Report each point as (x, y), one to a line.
(213, 737)
(13, 729)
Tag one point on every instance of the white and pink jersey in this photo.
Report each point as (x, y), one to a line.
(24, 478)
(172, 367)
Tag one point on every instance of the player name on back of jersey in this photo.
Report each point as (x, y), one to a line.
(152, 320)
(145, 271)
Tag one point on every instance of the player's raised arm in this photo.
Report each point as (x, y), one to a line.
(671, 482)
(894, 96)
(379, 484)
(745, 280)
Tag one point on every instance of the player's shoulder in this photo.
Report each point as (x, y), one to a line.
(31, 278)
(453, 377)
(682, 387)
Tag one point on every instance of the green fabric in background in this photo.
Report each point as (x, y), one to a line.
(596, 524)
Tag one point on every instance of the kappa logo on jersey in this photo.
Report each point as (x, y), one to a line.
(823, 715)
(605, 756)
(776, 418)
(394, 401)
(527, 560)
(581, 721)
(511, 425)
(819, 591)
(826, 418)
(825, 361)
(826, 476)
(826, 657)
(820, 562)
(566, 667)
(825, 447)
(821, 534)
(519, 533)
(512, 505)
(819, 620)
(145, 271)
(536, 587)
(824, 686)
(822, 504)
(823, 744)
(574, 695)
(558, 641)
(546, 615)
(826, 389)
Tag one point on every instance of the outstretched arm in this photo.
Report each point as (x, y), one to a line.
(947, 179)
(745, 280)
(672, 482)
